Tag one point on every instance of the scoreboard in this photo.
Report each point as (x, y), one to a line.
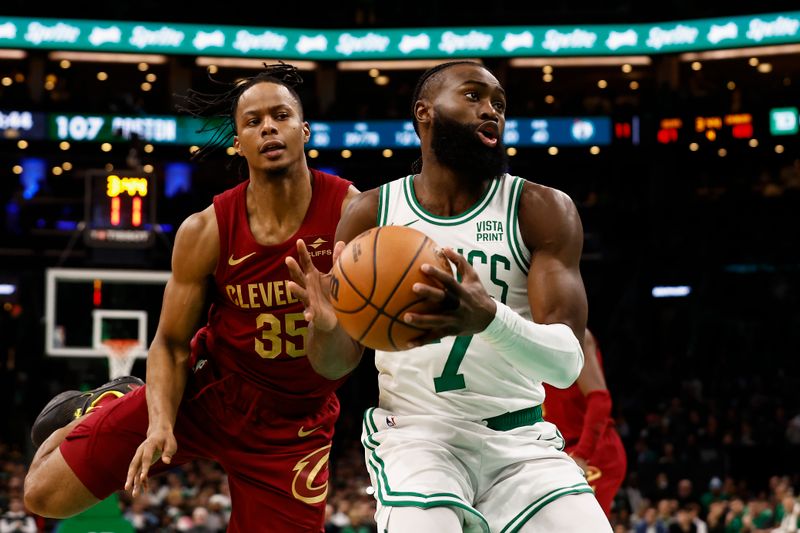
(120, 209)
(708, 128)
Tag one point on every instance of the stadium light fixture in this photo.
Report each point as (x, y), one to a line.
(12, 53)
(7, 289)
(599, 61)
(749, 52)
(402, 64)
(675, 291)
(108, 57)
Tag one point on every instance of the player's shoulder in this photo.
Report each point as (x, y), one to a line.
(546, 214)
(199, 225)
(364, 202)
(538, 196)
(197, 245)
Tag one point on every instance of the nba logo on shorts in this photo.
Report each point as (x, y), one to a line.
(391, 421)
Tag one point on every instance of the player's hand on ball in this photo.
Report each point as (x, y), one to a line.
(467, 307)
(312, 287)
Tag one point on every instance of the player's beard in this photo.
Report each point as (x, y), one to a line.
(458, 147)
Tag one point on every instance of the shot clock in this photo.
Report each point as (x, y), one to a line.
(120, 209)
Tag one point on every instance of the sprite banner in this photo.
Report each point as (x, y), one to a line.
(412, 43)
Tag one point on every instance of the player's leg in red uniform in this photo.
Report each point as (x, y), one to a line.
(88, 459)
(607, 469)
(278, 470)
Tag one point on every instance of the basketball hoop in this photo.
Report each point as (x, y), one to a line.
(121, 355)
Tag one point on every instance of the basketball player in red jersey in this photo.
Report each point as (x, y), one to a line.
(582, 413)
(240, 390)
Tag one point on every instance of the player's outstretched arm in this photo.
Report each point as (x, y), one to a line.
(549, 347)
(332, 353)
(194, 259)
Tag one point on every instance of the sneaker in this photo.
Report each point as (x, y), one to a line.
(71, 405)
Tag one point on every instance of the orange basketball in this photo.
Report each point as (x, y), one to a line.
(372, 281)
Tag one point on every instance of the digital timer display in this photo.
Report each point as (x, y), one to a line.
(120, 209)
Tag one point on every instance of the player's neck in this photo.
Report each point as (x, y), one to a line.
(277, 205)
(443, 192)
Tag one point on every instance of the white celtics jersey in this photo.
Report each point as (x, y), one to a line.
(463, 376)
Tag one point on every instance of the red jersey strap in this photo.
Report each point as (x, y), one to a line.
(598, 412)
(330, 192)
(226, 205)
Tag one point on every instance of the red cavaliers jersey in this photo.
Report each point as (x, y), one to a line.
(255, 326)
(566, 409)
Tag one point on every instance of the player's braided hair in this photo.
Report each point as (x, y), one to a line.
(219, 108)
(416, 166)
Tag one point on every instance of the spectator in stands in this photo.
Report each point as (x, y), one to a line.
(683, 522)
(139, 515)
(650, 523)
(714, 494)
(686, 494)
(734, 519)
(694, 511)
(758, 515)
(790, 516)
(716, 516)
(16, 520)
(200, 520)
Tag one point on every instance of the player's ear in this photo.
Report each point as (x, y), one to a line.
(236, 145)
(306, 132)
(422, 111)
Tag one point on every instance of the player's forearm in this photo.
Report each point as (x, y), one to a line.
(166, 381)
(598, 411)
(546, 352)
(332, 354)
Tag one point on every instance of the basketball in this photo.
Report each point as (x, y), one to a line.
(372, 281)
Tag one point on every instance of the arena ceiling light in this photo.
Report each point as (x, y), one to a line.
(108, 57)
(401, 64)
(753, 51)
(243, 62)
(12, 53)
(599, 61)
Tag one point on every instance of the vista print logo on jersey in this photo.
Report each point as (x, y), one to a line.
(489, 231)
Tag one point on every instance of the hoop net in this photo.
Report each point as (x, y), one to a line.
(121, 355)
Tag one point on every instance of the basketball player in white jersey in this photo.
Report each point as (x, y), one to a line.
(458, 442)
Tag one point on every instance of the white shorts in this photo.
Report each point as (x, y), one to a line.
(494, 480)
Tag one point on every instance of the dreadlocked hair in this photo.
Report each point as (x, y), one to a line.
(218, 109)
(416, 166)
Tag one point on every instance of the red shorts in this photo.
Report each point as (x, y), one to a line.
(607, 468)
(277, 465)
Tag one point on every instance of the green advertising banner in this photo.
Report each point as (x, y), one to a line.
(512, 41)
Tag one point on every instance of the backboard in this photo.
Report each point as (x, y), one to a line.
(85, 307)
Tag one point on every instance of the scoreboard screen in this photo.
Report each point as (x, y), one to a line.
(120, 209)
